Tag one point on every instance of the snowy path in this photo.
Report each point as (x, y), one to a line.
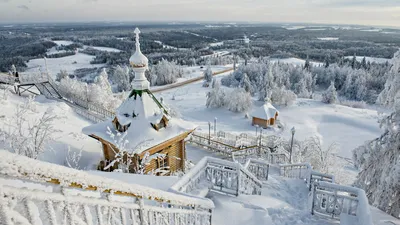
(283, 202)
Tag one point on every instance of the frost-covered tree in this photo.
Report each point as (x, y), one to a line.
(245, 83)
(61, 75)
(322, 159)
(208, 74)
(238, 100)
(390, 96)
(13, 69)
(379, 165)
(100, 92)
(29, 137)
(281, 96)
(330, 95)
(121, 78)
(216, 97)
(166, 72)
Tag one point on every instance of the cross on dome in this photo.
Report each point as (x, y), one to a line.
(138, 60)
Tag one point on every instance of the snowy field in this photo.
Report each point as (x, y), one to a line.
(345, 126)
(295, 61)
(328, 38)
(68, 63)
(370, 59)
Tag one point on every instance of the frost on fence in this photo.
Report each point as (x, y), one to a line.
(334, 201)
(258, 168)
(299, 171)
(33, 208)
(218, 175)
(33, 78)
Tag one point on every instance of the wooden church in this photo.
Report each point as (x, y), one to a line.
(146, 128)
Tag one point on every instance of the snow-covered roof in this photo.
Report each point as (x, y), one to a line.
(266, 112)
(140, 110)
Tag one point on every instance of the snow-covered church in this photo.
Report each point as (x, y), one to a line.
(144, 125)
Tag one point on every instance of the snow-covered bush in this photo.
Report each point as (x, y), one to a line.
(61, 75)
(379, 165)
(26, 137)
(238, 100)
(330, 95)
(354, 104)
(322, 159)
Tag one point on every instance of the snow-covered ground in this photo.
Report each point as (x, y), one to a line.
(328, 38)
(68, 63)
(295, 61)
(370, 59)
(348, 127)
(69, 124)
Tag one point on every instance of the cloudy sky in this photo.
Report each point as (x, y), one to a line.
(365, 12)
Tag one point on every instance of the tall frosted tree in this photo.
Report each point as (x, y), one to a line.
(390, 96)
(330, 95)
(121, 78)
(245, 83)
(208, 74)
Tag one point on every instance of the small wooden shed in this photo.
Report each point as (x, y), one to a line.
(265, 116)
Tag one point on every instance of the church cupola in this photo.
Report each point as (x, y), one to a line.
(139, 63)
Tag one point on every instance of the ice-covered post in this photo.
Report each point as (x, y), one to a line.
(209, 132)
(293, 130)
(215, 126)
(256, 129)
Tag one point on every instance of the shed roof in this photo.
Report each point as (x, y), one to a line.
(266, 112)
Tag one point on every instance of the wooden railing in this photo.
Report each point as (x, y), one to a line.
(336, 201)
(218, 175)
(34, 192)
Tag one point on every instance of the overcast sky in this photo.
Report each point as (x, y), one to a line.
(364, 12)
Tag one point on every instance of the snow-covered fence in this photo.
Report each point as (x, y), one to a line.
(340, 202)
(316, 176)
(35, 192)
(258, 168)
(7, 79)
(277, 158)
(218, 175)
(33, 78)
(298, 171)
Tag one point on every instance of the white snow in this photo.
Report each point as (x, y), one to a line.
(107, 49)
(328, 38)
(294, 61)
(68, 63)
(215, 44)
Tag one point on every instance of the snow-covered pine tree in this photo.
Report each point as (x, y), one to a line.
(330, 95)
(390, 96)
(245, 83)
(13, 69)
(216, 97)
(208, 74)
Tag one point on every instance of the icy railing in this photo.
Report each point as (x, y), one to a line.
(218, 175)
(8, 79)
(317, 176)
(84, 103)
(339, 202)
(298, 170)
(33, 78)
(258, 168)
(35, 192)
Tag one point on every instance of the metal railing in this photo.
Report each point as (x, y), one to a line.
(333, 200)
(298, 171)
